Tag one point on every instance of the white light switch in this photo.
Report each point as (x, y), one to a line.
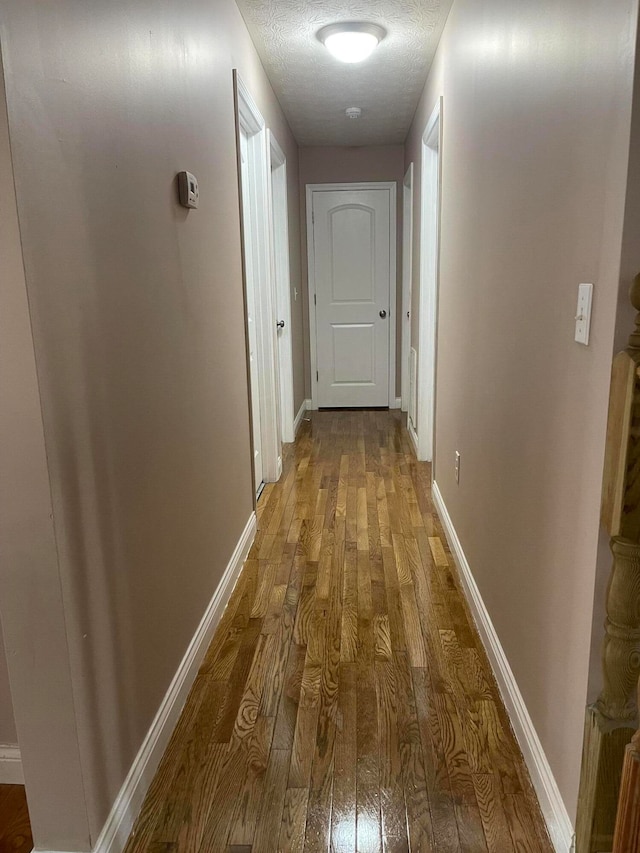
(583, 313)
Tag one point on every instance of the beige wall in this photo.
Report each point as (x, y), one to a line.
(32, 612)
(536, 132)
(8, 733)
(331, 164)
(136, 308)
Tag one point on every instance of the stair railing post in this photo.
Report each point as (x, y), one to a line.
(610, 723)
(626, 838)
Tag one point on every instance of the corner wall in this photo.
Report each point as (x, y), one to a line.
(33, 623)
(136, 310)
(534, 165)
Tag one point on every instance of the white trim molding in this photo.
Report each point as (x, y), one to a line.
(128, 803)
(429, 274)
(259, 283)
(395, 404)
(10, 765)
(553, 808)
(407, 273)
(310, 189)
(306, 405)
(279, 232)
(413, 436)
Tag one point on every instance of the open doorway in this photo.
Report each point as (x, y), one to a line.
(429, 264)
(15, 825)
(280, 264)
(259, 295)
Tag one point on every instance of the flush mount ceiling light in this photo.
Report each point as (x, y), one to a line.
(351, 41)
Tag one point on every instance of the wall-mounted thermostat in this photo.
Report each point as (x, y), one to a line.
(188, 187)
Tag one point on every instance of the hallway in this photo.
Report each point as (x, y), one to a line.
(345, 702)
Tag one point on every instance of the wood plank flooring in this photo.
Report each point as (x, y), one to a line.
(15, 828)
(346, 703)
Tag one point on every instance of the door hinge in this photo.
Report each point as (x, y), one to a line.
(317, 377)
(314, 299)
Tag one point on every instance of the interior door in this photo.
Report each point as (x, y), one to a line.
(280, 248)
(352, 270)
(254, 376)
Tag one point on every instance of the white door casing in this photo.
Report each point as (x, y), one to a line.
(259, 284)
(251, 311)
(280, 263)
(429, 272)
(407, 273)
(351, 238)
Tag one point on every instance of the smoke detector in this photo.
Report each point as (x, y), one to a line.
(353, 112)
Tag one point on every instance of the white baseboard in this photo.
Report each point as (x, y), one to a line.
(413, 436)
(118, 826)
(396, 404)
(551, 803)
(10, 765)
(298, 418)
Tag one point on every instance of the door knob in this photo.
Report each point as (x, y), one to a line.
(280, 324)
(383, 313)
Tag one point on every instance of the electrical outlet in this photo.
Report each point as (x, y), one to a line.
(457, 468)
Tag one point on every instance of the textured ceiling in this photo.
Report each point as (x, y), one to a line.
(315, 89)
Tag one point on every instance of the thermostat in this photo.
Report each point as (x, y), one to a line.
(188, 187)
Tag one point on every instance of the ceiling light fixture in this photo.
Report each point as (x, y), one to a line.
(351, 41)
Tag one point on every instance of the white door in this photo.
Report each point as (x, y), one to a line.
(254, 376)
(352, 275)
(280, 251)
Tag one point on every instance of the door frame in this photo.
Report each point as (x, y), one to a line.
(311, 287)
(279, 228)
(250, 120)
(407, 273)
(429, 276)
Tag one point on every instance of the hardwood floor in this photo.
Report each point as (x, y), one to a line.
(346, 703)
(15, 828)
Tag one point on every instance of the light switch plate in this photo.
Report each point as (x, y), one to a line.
(583, 313)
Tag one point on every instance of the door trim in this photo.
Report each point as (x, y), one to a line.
(311, 288)
(279, 229)
(252, 123)
(431, 148)
(407, 273)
